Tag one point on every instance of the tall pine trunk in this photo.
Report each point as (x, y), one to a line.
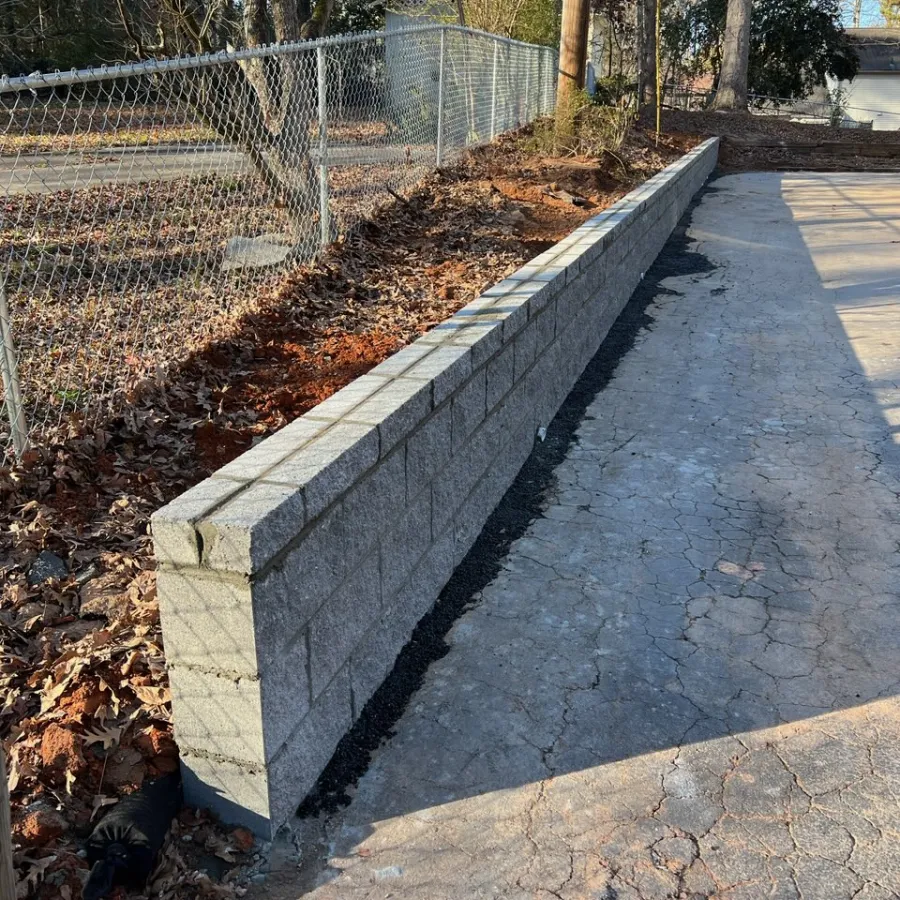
(647, 62)
(732, 91)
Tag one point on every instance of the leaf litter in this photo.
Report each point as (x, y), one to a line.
(85, 716)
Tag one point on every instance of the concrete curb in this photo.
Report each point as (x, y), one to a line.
(291, 579)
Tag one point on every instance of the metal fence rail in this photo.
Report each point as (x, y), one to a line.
(147, 206)
(839, 112)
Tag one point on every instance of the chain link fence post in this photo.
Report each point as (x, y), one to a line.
(548, 87)
(540, 84)
(439, 142)
(12, 395)
(527, 65)
(324, 215)
(494, 92)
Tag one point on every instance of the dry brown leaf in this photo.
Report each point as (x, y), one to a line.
(220, 847)
(152, 696)
(101, 801)
(108, 737)
(34, 874)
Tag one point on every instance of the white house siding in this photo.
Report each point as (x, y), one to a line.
(874, 97)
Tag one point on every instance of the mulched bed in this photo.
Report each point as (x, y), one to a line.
(748, 139)
(86, 712)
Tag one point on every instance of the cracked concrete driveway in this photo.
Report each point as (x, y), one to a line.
(684, 681)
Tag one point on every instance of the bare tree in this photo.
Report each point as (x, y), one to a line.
(265, 105)
(732, 89)
(646, 13)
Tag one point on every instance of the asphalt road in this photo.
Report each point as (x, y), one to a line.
(44, 173)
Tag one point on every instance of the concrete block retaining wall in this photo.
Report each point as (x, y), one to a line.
(290, 580)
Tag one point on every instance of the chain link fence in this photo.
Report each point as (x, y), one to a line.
(148, 206)
(837, 112)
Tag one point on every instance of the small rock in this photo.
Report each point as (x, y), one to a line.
(46, 567)
(389, 872)
(259, 878)
(40, 824)
(242, 839)
(61, 750)
(86, 575)
(214, 866)
(125, 768)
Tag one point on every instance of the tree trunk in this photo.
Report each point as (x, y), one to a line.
(317, 23)
(572, 62)
(256, 34)
(732, 90)
(647, 62)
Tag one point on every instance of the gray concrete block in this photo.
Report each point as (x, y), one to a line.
(423, 587)
(244, 534)
(268, 453)
(545, 327)
(547, 384)
(478, 326)
(286, 692)
(396, 410)
(461, 474)
(348, 398)
(524, 349)
(403, 545)
(174, 537)
(207, 621)
(402, 360)
(288, 594)
(514, 306)
(327, 466)
(485, 338)
(374, 657)
(341, 622)
(219, 714)
(499, 376)
(511, 412)
(374, 505)
(237, 793)
(301, 759)
(468, 409)
(446, 367)
(427, 451)
(371, 662)
(470, 518)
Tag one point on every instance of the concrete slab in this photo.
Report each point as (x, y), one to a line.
(683, 683)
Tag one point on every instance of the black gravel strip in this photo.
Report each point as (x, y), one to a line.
(520, 506)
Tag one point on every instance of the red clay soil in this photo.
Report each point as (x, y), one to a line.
(86, 714)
